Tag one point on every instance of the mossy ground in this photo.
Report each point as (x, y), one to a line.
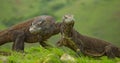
(39, 54)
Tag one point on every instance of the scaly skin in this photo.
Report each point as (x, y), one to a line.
(87, 45)
(18, 34)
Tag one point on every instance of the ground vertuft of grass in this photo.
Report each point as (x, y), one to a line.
(51, 55)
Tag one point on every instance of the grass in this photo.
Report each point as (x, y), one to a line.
(18, 8)
(38, 54)
(97, 18)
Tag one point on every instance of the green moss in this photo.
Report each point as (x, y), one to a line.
(52, 55)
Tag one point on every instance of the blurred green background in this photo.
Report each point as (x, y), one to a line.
(95, 18)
